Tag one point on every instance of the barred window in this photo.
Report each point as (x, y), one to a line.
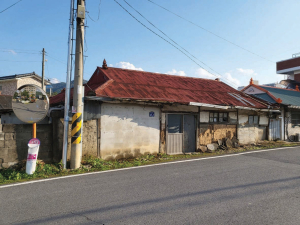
(218, 117)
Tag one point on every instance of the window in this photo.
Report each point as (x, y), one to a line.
(218, 117)
(0, 88)
(175, 124)
(253, 120)
(295, 118)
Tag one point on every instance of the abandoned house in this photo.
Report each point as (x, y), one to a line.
(129, 112)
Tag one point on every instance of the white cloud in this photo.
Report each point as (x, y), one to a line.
(175, 72)
(127, 65)
(247, 72)
(229, 78)
(202, 73)
(12, 52)
(54, 80)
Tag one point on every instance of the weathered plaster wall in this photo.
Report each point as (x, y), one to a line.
(8, 87)
(210, 132)
(128, 131)
(249, 133)
(89, 138)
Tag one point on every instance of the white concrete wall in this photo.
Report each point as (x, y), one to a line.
(29, 80)
(250, 134)
(128, 131)
(204, 117)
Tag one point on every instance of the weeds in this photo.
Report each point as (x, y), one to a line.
(89, 163)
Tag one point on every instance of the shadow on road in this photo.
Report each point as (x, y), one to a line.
(176, 202)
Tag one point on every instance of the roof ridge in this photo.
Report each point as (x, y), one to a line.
(278, 88)
(142, 71)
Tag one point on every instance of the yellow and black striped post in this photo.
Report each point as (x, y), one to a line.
(76, 128)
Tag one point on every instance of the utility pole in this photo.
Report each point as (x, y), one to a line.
(68, 84)
(43, 69)
(76, 149)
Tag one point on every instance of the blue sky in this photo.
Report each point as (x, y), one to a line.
(268, 28)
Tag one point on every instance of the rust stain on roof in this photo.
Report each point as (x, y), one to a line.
(141, 85)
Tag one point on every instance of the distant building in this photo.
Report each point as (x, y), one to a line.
(9, 84)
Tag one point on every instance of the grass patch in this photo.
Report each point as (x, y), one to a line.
(90, 164)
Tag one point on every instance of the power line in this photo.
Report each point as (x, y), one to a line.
(224, 39)
(10, 6)
(98, 12)
(171, 38)
(18, 61)
(171, 44)
(6, 49)
(55, 59)
(12, 51)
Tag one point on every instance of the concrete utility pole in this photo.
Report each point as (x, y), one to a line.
(43, 69)
(76, 149)
(68, 84)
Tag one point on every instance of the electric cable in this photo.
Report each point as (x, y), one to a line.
(10, 6)
(171, 43)
(98, 13)
(55, 59)
(224, 39)
(175, 42)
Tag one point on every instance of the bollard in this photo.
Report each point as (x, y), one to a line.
(33, 150)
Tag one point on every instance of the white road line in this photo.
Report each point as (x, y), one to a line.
(138, 167)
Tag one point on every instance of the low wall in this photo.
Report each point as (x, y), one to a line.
(14, 140)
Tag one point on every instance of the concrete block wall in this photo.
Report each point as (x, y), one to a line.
(14, 140)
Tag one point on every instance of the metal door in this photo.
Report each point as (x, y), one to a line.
(181, 133)
(175, 133)
(274, 129)
(189, 133)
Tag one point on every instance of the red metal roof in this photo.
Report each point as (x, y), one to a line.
(140, 85)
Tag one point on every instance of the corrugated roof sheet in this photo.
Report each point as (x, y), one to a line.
(265, 97)
(140, 85)
(288, 97)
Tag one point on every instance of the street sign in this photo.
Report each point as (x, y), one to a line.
(151, 114)
(30, 103)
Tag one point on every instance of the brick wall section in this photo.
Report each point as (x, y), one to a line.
(9, 87)
(14, 140)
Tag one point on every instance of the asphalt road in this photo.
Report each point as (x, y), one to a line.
(257, 188)
(30, 111)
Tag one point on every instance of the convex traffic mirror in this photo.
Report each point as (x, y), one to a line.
(30, 103)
